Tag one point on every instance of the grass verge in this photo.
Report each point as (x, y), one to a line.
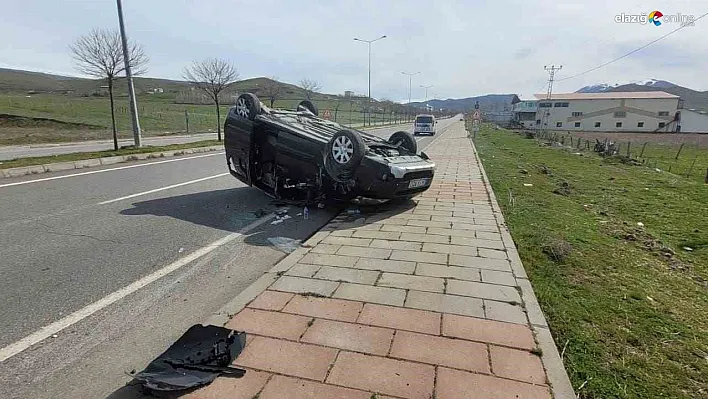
(604, 244)
(71, 118)
(78, 156)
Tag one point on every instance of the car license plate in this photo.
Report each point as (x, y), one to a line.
(415, 183)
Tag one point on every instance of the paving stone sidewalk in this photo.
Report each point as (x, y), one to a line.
(421, 300)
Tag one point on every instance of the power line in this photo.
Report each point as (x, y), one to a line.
(631, 52)
(544, 84)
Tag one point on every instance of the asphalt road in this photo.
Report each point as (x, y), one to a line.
(39, 150)
(71, 240)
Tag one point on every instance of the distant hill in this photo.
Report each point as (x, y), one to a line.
(18, 81)
(12, 80)
(598, 88)
(27, 82)
(647, 83)
(692, 99)
(487, 103)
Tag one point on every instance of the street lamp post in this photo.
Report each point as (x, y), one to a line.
(410, 82)
(426, 91)
(369, 43)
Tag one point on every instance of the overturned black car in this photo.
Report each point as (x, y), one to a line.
(296, 156)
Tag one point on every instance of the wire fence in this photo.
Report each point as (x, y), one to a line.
(681, 154)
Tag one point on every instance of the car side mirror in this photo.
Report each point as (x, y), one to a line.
(424, 155)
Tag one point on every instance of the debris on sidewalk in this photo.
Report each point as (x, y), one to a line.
(285, 244)
(195, 359)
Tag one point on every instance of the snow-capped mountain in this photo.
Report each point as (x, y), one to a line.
(653, 83)
(599, 88)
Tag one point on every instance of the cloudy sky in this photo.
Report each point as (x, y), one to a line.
(461, 47)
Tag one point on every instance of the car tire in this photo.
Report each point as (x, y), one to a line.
(308, 105)
(405, 140)
(248, 106)
(344, 154)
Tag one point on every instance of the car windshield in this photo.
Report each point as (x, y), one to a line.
(424, 119)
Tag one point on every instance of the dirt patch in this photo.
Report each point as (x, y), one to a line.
(557, 249)
(16, 121)
(623, 159)
(564, 188)
(650, 243)
(545, 170)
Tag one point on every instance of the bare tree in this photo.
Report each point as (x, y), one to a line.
(100, 54)
(310, 87)
(212, 76)
(336, 107)
(272, 89)
(389, 107)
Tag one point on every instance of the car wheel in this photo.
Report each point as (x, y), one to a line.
(309, 106)
(405, 140)
(344, 153)
(248, 106)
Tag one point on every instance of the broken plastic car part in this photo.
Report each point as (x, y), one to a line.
(195, 359)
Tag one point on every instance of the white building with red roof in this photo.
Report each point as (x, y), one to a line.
(652, 111)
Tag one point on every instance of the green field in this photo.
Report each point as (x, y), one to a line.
(159, 115)
(682, 154)
(618, 257)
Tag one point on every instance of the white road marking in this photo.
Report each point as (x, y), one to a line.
(107, 170)
(51, 329)
(163, 188)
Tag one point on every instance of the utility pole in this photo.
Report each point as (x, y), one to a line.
(426, 91)
(129, 77)
(551, 76)
(549, 93)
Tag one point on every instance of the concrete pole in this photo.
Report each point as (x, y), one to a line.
(129, 77)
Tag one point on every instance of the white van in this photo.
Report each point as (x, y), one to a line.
(424, 124)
